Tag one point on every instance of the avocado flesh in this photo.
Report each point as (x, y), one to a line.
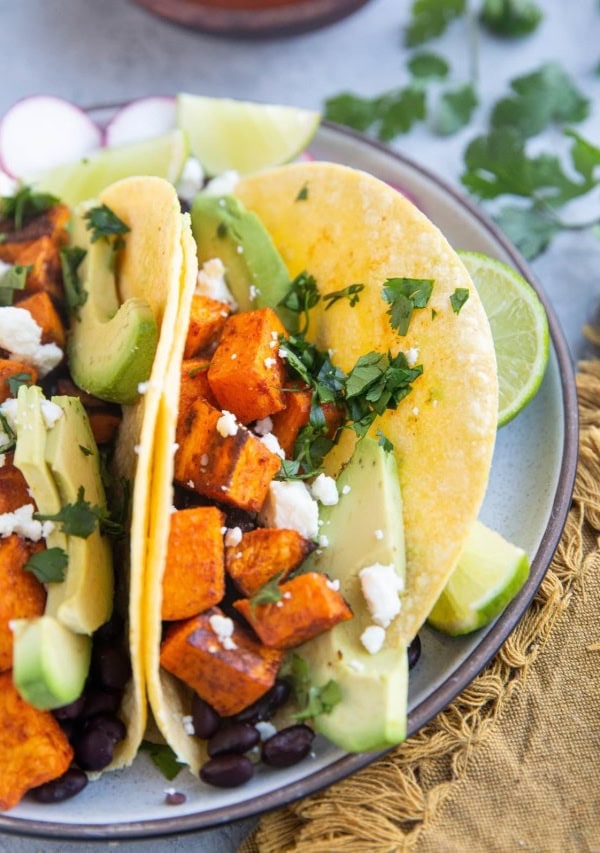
(50, 662)
(372, 711)
(111, 347)
(224, 229)
(84, 600)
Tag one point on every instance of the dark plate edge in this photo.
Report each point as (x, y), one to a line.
(464, 673)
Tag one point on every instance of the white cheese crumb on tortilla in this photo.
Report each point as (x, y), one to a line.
(380, 586)
(373, 639)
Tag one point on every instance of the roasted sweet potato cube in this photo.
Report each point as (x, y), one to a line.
(264, 553)
(229, 674)
(309, 606)
(21, 594)
(334, 418)
(14, 491)
(42, 309)
(246, 373)
(104, 424)
(194, 383)
(288, 423)
(33, 747)
(207, 319)
(45, 275)
(194, 577)
(233, 468)
(52, 223)
(11, 369)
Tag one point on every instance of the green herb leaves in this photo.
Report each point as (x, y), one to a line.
(24, 205)
(429, 19)
(70, 259)
(163, 758)
(103, 223)
(510, 18)
(81, 518)
(312, 700)
(13, 278)
(269, 593)
(15, 381)
(48, 566)
(404, 295)
(458, 298)
(303, 294)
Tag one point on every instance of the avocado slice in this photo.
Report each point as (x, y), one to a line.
(111, 347)
(50, 662)
(224, 229)
(363, 528)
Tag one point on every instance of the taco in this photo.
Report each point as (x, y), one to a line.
(376, 291)
(70, 623)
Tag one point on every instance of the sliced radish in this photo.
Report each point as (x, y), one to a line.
(43, 131)
(141, 119)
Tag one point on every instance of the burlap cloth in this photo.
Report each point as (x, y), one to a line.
(514, 762)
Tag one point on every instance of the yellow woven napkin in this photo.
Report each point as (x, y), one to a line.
(514, 762)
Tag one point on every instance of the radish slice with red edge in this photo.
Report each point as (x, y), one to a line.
(141, 119)
(43, 131)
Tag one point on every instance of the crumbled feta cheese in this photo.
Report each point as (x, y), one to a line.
(137, 449)
(223, 184)
(4, 267)
(21, 336)
(412, 356)
(175, 447)
(346, 489)
(378, 534)
(191, 180)
(9, 410)
(270, 362)
(233, 356)
(356, 665)
(324, 489)
(333, 584)
(190, 484)
(271, 442)
(211, 282)
(289, 504)
(21, 522)
(51, 413)
(373, 639)
(239, 249)
(323, 541)
(143, 387)
(223, 628)
(265, 729)
(227, 424)
(282, 352)
(287, 595)
(380, 586)
(204, 460)
(263, 426)
(188, 724)
(233, 537)
(254, 291)
(415, 411)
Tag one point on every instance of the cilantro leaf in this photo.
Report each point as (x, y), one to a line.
(542, 97)
(48, 566)
(81, 518)
(351, 293)
(383, 441)
(352, 110)
(313, 442)
(302, 295)
(399, 110)
(302, 193)
(429, 19)
(8, 437)
(377, 382)
(455, 109)
(320, 700)
(163, 757)
(312, 365)
(15, 381)
(269, 593)
(510, 17)
(458, 298)
(103, 223)
(428, 66)
(70, 260)
(13, 278)
(25, 204)
(529, 228)
(404, 295)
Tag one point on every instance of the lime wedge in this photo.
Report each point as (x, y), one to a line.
(488, 575)
(163, 156)
(242, 135)
(519, 328)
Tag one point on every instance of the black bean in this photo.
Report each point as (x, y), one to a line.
(113, 726)
(111, 667)
(63, 788)
(227, 771)
(94, 749)
(233, 737)
(175, 798)
(111, 631)
(70, 711)
(264, 707)
(414, 652)
(101, 702)
(206, 720)
(235, 517)
(288, 746)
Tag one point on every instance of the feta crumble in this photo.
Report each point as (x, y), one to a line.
(333, 584)
(51, 413)
(188, 724)
(324, 489)
(271, 442)
(289, 504)
(378, 534)
(380, 586)
(21, 522)
(412, 356)
(356, 665)
(263, 426)
(373, 639)
(211, 282)
(143, 387)
(265, 729)
(270, 362)
(21, 336)
(223, 628)
(227, 424)
(346, 489)
(323, 541)
(254, 291)
(191, 180)
(233, 537)
(223, 184)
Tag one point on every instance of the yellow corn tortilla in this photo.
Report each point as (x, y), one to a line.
(353, 228)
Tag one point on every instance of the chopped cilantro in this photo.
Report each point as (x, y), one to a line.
(455, 109)
(48, 566)
(510, 17)
(427, 66)
(351, 293)
(383, 441)
(303, 294)
(163, 758)
(15, 381)
(531, 229)
(269, 593)
(14, 278)
(9, 439)
(320, 700)
(314, 366)
(25, 204)
(399, 110)
(352, 110)
(70, 260)
(85, 450)
(430, 18)
(103, 223)
(404, 295)
(81, 518)
(303, 193)
(221, 230)
(458, 298)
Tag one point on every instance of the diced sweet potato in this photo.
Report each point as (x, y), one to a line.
(288, 423)
(194, 578)
(207, 319)
(235, 469)
(33, 747)
(42, 309)
(246, 373)
(194, 383)
(10, 368)
(229, 679)
(308, 607)
(45, 275)
(14, 491)
(21, 594)
(52, 223)
(264, 553)
(104, 424)
(334, 418)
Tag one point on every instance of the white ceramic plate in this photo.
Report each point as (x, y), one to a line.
(527, 501)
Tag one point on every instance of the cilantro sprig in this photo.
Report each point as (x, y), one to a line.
(81, 518)
(312, 700)
(24, 205)
(48, 566)
(269, 593)
(71, 258)
(163, 758)
(13, 278)
(403, 296)
(105, 224)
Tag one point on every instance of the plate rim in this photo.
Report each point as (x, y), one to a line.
(475, 661)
